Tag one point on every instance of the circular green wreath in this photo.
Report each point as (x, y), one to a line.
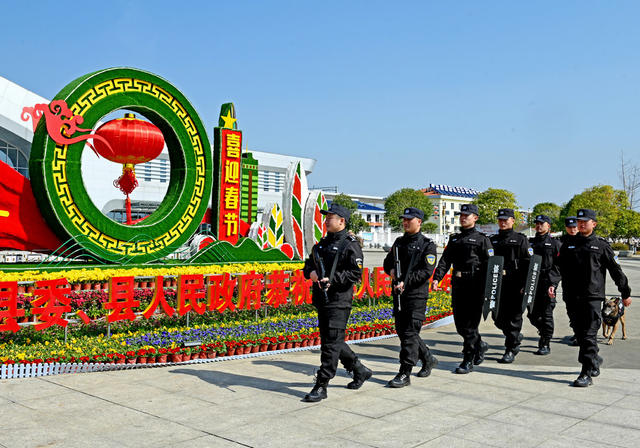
(56, 179)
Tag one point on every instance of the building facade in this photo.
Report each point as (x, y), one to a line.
(446, 202)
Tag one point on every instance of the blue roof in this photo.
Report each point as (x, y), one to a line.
(452, 191)
(363, 206)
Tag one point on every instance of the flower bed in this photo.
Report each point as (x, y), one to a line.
(163, 339)
(102, 275)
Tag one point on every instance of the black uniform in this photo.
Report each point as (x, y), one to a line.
(468, 252)
(569, 284)
(409, 307)
(541, 316)
(333, 315)
(514, 247)
(584, 265)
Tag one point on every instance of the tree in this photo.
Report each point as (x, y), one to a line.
(605, 200)
(429, 227)
(630, 178)
(491, 200)
(551, 210)
(627, 225)
(397, 201)
(356, 223)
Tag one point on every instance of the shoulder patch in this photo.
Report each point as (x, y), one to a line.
(359, 262)
(530, 251)
(431, 259)
(490, 252)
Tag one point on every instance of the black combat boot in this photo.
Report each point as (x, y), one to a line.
(319, 391)
(427, 365)
(595, 370)
(584, 380)
(509, 356)
(360, 375)
(543, 347)
(466, 366)
(402, 378)
(479, 356)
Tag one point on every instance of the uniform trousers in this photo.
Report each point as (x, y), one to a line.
(510, 313)
(587, 324)
(412, 347)
(333, 324)
(541, 316)
(466, 301)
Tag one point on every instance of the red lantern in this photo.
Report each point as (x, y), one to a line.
(132, 141)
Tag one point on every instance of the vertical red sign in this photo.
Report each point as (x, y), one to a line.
(230, 176)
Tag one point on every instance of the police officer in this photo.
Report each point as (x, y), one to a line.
(340, 257)
(514, 247)
(568, 293)
(586, 263)
(417, 258)
(468, 252)
(541, 315)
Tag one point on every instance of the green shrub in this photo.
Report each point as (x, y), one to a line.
(620, 246)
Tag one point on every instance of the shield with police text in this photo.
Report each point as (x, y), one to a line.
(532, 283)
(493, 283)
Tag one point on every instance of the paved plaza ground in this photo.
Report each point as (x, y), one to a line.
(257, 401)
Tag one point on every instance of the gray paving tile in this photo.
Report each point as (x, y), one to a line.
(451, 442)
(382, 434)
(552, 404)
(629, 418)
(533, 418)
(629, 402)
(605, 433)
(366, 405)
(501, 434)
(566, 442)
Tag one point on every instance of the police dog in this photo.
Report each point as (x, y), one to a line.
(612, 315)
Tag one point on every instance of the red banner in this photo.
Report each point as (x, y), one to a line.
(51, 302)
(230, 192)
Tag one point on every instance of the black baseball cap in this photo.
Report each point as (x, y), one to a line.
(542, 218)
(585, 214)
(412, 212)
(571, 221)
(339, 210)
(467, 209)
(505, 213)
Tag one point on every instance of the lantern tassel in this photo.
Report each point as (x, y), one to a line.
(127, 182)
(127, 204)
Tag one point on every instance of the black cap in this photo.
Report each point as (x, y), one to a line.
(505, 213)
(571, 221)
(585, 214)
(339, 210)
(412, 212)
(542, 218)
(467, 209)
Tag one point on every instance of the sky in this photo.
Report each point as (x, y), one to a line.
(539, 98)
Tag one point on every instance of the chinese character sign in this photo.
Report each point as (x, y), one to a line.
(228, 152)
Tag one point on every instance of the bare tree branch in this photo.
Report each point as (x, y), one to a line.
(629, 175)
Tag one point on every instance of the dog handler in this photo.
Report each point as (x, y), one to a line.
(586, 262)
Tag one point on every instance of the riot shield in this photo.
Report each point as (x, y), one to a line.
(492, 286)
(532, 282)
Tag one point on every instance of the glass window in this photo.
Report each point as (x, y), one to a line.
(14, 157)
